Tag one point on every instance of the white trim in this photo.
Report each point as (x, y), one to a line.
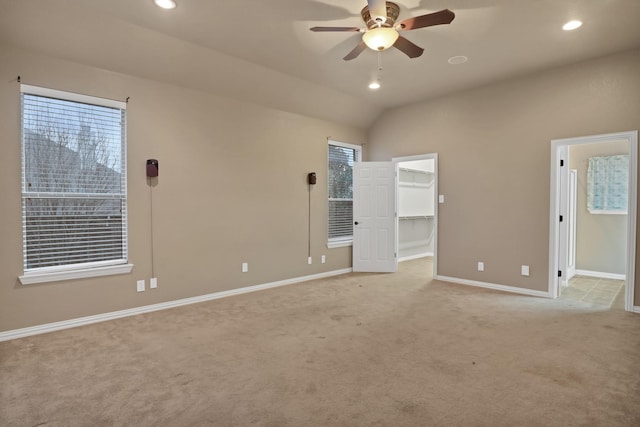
(600, 274)
(82, 321)
(606, 212)
(416, 256)
(636, 309)
(433, 156)
(631, 219)
(632, 138)
(494, 286)
(56, 276)
(70, 96)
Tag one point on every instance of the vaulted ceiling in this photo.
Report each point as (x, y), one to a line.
(262, 50)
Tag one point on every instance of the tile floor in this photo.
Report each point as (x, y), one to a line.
(594, 290)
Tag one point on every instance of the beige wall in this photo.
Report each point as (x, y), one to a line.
(232, 188)
(601, 240)
(494, 159)
(232, 183)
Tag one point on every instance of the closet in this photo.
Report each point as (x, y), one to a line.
(415, 209)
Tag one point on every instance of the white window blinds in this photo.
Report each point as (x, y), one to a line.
(73, 180)
(340, 190)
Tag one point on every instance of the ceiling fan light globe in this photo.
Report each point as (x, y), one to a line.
(572, 25)
(165, 4)
(381, 38)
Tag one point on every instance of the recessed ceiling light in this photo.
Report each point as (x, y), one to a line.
(374, 85)
(460, 59)
(572, 25)
(165, 4)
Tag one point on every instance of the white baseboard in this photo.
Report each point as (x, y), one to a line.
(636, 309)
(82, 321)
(494, 286)
(600, 274)
(416, 256)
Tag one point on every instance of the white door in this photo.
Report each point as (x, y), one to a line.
(374, 218)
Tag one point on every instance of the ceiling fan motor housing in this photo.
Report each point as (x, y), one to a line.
(393, 11)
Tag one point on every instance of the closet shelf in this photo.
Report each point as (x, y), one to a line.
(416, 171)
(406, 217)
(414, 184)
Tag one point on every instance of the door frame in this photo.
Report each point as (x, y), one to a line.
(428, 156)
(557, 145)
(572, 217)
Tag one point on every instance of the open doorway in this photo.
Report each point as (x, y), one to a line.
(593, 217)
(417, 189)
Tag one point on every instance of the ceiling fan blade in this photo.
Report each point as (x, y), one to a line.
(320, 29)
(355, 52)
(437, 18)
(408, 48)
(377, 9)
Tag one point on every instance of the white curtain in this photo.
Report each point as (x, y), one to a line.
(608, 184)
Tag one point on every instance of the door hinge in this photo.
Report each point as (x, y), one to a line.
(561, 163)
(395, 255)
(560, 218)
(559, 273)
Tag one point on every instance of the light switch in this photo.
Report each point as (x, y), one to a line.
(441, 198)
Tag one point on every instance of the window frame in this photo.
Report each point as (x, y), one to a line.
(85, 269)
(343, 241)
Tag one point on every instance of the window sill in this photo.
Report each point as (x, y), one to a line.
(55, 276)
(339, 243)
(606, 212)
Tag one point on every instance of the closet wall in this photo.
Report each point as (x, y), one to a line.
(415, 209)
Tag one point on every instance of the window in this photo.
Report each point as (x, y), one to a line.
(608, 184)
(74, 216)
(340, 190)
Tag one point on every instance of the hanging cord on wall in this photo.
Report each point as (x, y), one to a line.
(309, 221)
(153, 270)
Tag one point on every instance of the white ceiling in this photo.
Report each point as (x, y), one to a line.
(262, 50)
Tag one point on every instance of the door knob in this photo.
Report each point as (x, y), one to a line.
(356, 223)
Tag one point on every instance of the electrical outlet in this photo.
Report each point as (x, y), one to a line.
(153, 283)
(140, 285)
(480, 266)
(245, 267)
(324, 259)
(524, 270)
(309, 261)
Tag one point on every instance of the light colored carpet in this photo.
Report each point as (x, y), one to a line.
(353, 350)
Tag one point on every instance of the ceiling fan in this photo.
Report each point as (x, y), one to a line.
(382, 30)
